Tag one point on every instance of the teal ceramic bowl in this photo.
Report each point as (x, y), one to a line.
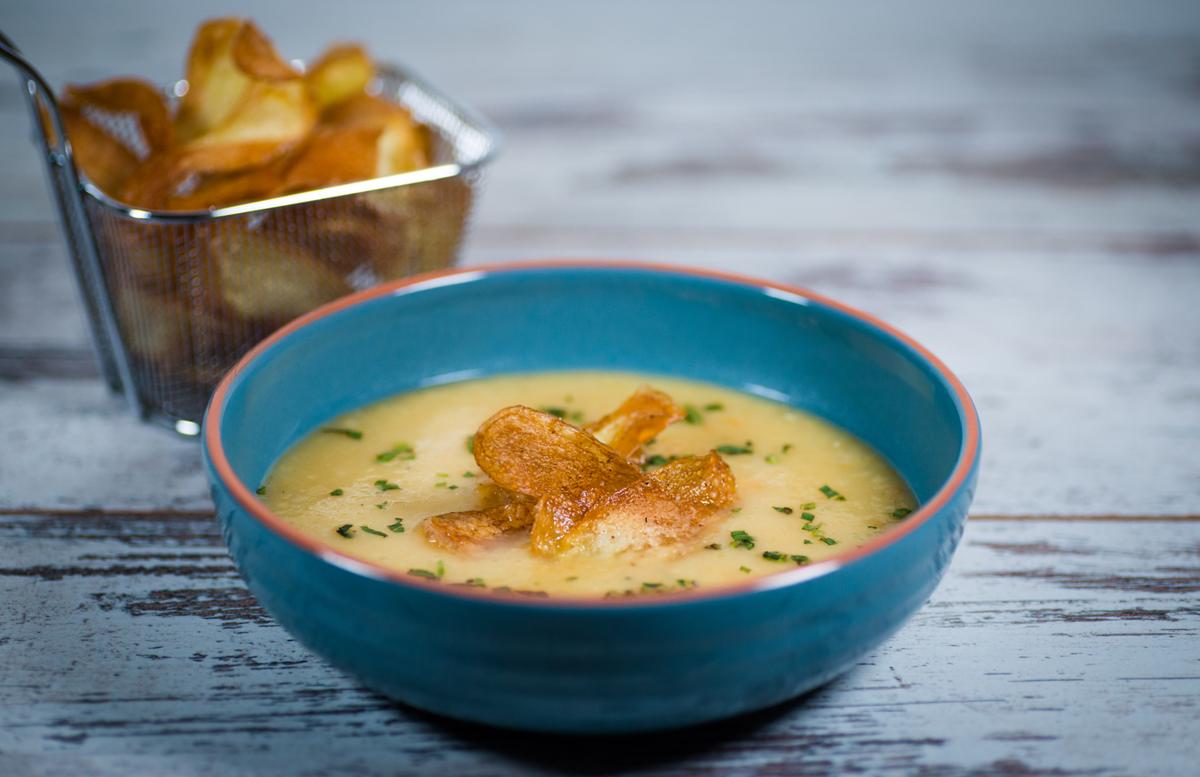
(598, 666)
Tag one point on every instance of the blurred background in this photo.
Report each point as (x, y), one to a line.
(1015, 184)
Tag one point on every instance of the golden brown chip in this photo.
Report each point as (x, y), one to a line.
(102, 158)
(263, 276)
(214, 191)
(255, 55)
(128, 96)
(639, 419)
(334, 155)
(536, 454)
(454, 531)
(343, 71)
(216, 84)
(271, 118)
(667, 506)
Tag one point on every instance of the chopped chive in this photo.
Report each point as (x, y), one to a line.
(745, 569)
(712, 546)
(872, 526)
(468, 474)
(451, 486)
(832, 494)
(735, 509)
(440, 484)
(649, 586)
(397, 527)
(734, 450)
(808, 542)
(809, 506)
(385, 485)
(441, 474)
(336, 492)
(829, 540)
(685, 583)
(260, 490)
(691, 415)
(807, 517)
(714, 406)
(799, 559)
(901, 512)
(658, 460)
(401, 450)
(471, 444)
(572, 578)
(381, 505)
(576, 416)
(346, 530)
(810, 527)
(771, 458)
(784, 510)
(787, 446)
(476, 582)
(741, 540)
(353, 434)
(557, 412)
(441, 569)
(369, 530)
(423, 573)
(773, 555)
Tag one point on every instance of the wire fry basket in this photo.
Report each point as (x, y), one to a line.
(174, 299)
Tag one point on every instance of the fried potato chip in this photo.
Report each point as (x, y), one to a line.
(455, 531)
(214, 191)
(639, 419)
(103, 159)
(536, 454)
(262, 276)
(270, 119)
(667, 506)
(154, 327)
(216, 84)
(334, 155)
(133, 96)
(255, 55)
(343, 71)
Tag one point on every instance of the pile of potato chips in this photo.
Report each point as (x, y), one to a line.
(191, 296)
(249, 126)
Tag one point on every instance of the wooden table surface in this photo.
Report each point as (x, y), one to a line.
(1015, 184)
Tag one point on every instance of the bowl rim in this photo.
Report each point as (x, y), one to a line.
(242, 494)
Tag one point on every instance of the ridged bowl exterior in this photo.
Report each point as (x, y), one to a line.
(594, 666)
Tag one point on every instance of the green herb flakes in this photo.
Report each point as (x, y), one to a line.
(475, 582)
(807, 517)
(741, 540)
(771, 458)
(260, 490)
(336, 492)
(468, 474)
(787, 447)
(353, 434)
(773, 555)
(901, 512)
(745, 569)
(800, 560)
(471, 444)
(441, 569)
(831, 493)
(713, 546)
(386, 485)
(829, 540)
(734, 450)
(809, 506)
(400, 450)
(713, 407)
(381, 505)
(376, 532)
(691, 415)
(784, 510)
(346, 530)
(452, 487)
(397, 527)
(651, 586)
(425, 573)
(557, 412)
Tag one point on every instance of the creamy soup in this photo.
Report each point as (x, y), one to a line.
(805, 489)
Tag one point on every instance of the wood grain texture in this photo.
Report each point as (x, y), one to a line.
(1015, 184)
(1030, 658)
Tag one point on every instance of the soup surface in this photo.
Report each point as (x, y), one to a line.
(805, 489)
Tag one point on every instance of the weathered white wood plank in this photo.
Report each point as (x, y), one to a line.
(1051, 648)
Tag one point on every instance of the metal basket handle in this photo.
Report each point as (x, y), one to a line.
(65, 181)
